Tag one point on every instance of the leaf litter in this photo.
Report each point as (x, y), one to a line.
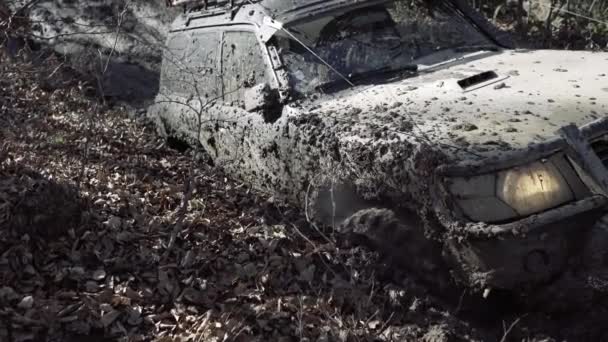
(89, 198)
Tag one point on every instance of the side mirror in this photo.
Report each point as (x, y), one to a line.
(265, 99)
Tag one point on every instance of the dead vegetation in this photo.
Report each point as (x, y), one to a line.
(106, 232)
(88, 207)
(553, 24)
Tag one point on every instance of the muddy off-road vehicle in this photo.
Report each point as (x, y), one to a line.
(412, 125)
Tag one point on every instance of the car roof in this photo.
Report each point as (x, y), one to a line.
(291, 12)
(253, 12)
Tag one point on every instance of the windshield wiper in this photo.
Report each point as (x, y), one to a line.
(474, 48)
(463, 48)
(410, 69)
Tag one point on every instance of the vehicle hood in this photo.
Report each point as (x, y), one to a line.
(536, 93)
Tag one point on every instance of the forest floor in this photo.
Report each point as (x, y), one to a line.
(107, 232)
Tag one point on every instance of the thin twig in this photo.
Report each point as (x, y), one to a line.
(118, 27)
(55, 70)
(386, 323)
(101, 92)
(460, 301)
(315, 248)
(181, 213)
(310, 221)
(300, 318)
(201, 327)
(333, 205)
(508, 331)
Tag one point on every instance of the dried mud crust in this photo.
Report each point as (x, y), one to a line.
(559, 287)
(239, 267)
(244, 267)
(378, 159)
(595, 256)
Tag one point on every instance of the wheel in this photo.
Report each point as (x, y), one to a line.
(585, 283)
(400, 241)
(595, 256)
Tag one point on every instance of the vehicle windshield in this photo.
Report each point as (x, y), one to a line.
(376, 42)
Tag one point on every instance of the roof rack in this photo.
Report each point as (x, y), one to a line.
(204, 4)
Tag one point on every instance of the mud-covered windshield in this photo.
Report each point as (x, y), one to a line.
(375, 42)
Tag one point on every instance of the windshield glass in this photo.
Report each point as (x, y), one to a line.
(375, 42)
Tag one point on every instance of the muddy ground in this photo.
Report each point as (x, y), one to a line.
(108, 232)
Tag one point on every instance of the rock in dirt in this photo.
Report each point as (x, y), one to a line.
(26, 303)
(99, 275)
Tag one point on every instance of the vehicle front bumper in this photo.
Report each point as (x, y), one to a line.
(525, 253)
(537, 248)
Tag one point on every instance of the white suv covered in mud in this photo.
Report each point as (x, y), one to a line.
(410, 123)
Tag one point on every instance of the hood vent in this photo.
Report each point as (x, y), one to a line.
(477, 79)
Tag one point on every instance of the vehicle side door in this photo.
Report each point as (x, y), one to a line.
(190, 86)
(239, 134)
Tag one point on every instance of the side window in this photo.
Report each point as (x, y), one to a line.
(173, 57)
(243, 64)
(190, 63)
(202, 64)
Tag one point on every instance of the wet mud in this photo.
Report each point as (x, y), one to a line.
(380, 146)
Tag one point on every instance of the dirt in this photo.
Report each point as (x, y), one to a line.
(109, 232)
(244, 266)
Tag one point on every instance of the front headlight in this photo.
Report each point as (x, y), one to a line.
(514, 193)
(533, 188)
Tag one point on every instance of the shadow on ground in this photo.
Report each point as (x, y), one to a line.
(227, 264)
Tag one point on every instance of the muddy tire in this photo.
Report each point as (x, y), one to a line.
(595, 257)
(585, 283)
(400, 241)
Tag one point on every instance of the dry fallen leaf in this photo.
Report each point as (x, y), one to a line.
(237, 270)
